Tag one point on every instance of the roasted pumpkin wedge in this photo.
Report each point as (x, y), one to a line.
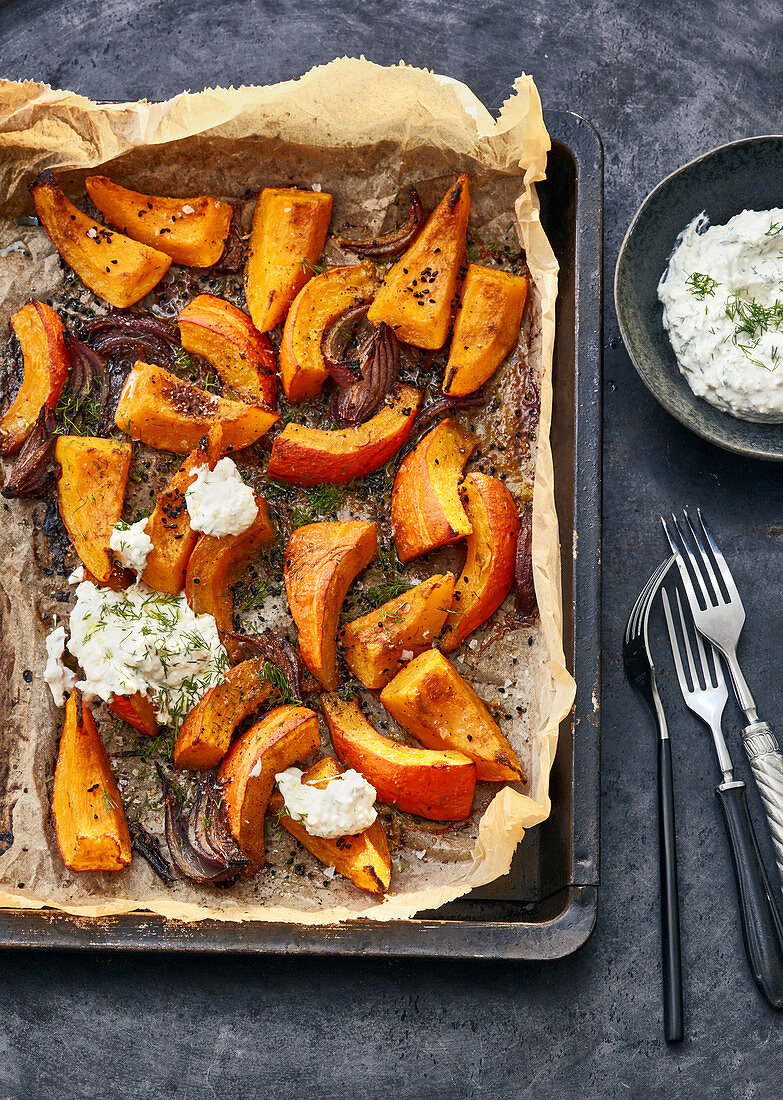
(438, 785)
(192, 231)
(89, 821)
(41, 338)
(281, 738)
(91, 484)
(205, 735)
(488, 574)
(364, 858)
(434, 704)
(137, 710)
(485, 329)
(321, 562)
(115, 267)
(225, 336)
(169, 527)
(213, 564)
(309, 456)
(170, 414)
(419, 295)
(286, 241)
(375, 645)
(426, 511)
(303, 370)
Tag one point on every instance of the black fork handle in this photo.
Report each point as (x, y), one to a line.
(670, 906)
(762, 928)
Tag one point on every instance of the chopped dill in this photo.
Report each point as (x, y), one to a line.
(279, 681)
(701, 286)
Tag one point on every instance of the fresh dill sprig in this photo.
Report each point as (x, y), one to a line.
(774, 230)
(700, 286)
(279, 681)
(751, 320)
(307, 265)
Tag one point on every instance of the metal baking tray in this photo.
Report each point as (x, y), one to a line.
(545, 907)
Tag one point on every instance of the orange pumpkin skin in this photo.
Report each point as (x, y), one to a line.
(321, 562)
(419, 294)
(488, 574)
(192, 231)
(46, 364)
(486, 327)
(426, 512)
(286, 242)
(435, 784)
(309, 456)
(115, 267)
(170, 414)
(303, 370)
(226, 337)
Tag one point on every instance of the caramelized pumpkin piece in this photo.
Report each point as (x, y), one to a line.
(303, 370)
(426, 512)
(137, 710)
(192, 231)
(226, 337)
(434, 704)
(419, 294)
(321, 562)
(93, 474)
(89, 821)
(213, 565)
(364, 859)
(40, 333)
(375, 645)
(247, 775)
(485, 329)
(170, 414)
(116, 268)
(286, 241)
(169, 527)
(309, 456)
(205, 735)
(486, 579)
(438, 785)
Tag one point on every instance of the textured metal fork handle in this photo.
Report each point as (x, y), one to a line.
(766, 763)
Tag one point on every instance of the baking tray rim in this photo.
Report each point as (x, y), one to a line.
(575, 918)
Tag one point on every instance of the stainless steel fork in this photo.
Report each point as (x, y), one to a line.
(719, 615)
(704, 690)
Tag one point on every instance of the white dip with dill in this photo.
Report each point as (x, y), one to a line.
(146, 641)
(218, 501)
(722, 296)
(344, 807)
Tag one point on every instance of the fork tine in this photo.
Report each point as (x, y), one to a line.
(694, 563)
(705, 558)
(684, 574)
(643, 601)
(675, 645)
(720, 561)
(686, 641)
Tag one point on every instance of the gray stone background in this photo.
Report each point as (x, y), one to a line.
(662, 82)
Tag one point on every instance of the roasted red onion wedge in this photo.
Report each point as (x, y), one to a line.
(524, 587)
(393, 244)
(233, 257)
(335, 344)
(278, 651)
(356, 403)
(32, 472)
(202, 849)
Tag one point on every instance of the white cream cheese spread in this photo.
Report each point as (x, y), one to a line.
(722, 296)
(218, 501)
(344, 807)
(145, 641)
(59, 678)
(131, 544)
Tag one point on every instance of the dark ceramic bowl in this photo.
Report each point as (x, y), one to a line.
(745, 175)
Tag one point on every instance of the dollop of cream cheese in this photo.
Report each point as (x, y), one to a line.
(344, 807)
(219, 503)
(58, 676)
(146, 641)
(722, 296)
(131, 544)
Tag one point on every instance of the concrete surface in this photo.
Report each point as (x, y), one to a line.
(662, 83)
